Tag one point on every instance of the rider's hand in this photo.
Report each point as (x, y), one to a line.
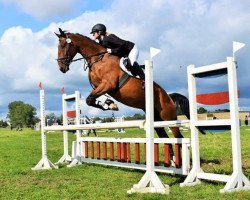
(109, 50)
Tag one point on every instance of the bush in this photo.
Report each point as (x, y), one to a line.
(3, 124)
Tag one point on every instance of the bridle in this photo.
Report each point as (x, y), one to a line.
(66, 60)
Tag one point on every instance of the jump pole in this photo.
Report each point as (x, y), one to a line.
(44, 163)
(150, 182)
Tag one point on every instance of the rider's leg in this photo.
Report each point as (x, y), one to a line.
(138, 70)
(133, 55)
(135, 67)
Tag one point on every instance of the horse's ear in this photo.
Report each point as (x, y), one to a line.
(62, 32)
(58, 35)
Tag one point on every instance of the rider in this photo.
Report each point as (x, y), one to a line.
(120, 48)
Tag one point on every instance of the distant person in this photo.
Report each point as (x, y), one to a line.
(90, 121)
(246, 120)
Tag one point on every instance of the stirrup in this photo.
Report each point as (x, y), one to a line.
(143, 84)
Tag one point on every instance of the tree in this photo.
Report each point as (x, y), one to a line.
(201, 110)
(139, 116)
(222, 110)
(136, 116)
(21, 114)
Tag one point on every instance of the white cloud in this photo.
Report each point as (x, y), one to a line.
(187, 32)
(44, 9)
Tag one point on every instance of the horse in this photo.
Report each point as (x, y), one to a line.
(106, 75)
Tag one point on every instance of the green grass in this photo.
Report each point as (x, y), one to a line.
(20, 151)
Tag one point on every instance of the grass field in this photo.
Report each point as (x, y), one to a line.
(20, 151)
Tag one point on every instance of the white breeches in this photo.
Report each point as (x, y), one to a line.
(133, 55)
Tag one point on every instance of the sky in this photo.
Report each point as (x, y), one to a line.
(198, 32)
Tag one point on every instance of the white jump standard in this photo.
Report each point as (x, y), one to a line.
(237, 180)
(150, 182)
(66, 157)
(44, 163)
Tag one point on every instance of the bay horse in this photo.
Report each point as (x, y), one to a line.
(106, 76)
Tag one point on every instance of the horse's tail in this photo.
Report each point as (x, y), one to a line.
(182, 102)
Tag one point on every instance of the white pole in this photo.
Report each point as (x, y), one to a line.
(66, 157)
(150, 182)
(43, 135)
(237, 180)
(77, 159)
(149, 116)
(44, 163)
(192, 176)
(234, 115)
(77, 121)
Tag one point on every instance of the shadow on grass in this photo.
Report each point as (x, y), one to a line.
(211, 161)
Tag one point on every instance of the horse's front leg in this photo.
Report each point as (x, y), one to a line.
(102, 89)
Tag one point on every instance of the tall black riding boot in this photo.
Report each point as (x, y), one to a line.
(138, 70)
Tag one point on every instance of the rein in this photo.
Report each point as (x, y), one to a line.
(88, 57)
(89, 65)
(64, 59)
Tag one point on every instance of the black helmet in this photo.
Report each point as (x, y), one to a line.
(98, 27)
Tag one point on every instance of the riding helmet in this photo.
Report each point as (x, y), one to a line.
(98, 27)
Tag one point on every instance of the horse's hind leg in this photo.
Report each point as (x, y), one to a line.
(176, 132)
(161, 132)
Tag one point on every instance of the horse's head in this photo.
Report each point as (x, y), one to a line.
(66, 50)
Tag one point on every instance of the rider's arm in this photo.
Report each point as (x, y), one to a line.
(117, 45)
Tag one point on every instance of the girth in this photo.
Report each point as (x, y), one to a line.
(123, 79)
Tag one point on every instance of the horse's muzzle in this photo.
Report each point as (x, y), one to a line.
(63, 64)
(64, 69)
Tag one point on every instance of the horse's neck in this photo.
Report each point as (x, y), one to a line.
(88, 48)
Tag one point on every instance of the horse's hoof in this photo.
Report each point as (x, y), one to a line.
(114, 107)
(172, 161)
(111, 105)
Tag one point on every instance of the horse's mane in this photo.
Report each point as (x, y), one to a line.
(63, 32)
(84, 36)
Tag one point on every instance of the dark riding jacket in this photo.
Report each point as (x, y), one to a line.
(118, 46)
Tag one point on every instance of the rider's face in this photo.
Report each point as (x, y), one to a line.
(96, 35)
